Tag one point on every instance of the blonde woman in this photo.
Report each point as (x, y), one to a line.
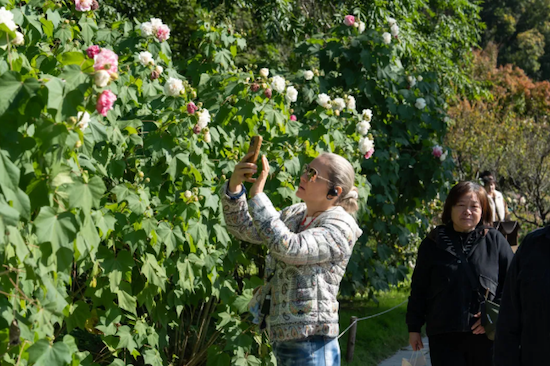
(309, 245)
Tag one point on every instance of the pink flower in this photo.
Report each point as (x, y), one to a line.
(163, 33)
(192, 108)
(268, 93)
(105, 102)
(83, 5)
(293, 118)
(106, 60)
(349, 20)
(369, 153)
(92, 51)
(437, 151)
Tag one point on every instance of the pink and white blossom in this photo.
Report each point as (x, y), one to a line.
(173, 87)
(293, 117)
(349, 20)
(437, 151)
(146, 58)
(369, 153)
(365, 145)
(192, 108)
(106, 60)
(83, 5)
(163, 33)
(146, 29)
(105, 102)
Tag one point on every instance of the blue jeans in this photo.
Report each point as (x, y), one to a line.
(312, 351)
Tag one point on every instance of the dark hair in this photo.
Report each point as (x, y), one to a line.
(460, 190)
(485, 173)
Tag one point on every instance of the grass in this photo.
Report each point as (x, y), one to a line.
(380, 337)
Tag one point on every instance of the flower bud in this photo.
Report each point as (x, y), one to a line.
(72, 120)
(196, 199)
(195, 190)
(268, 93)
(207, 137)
(78, 144)
(114, 76)
(193, 93)
(254, 87)
(199, 104)
(188, 194)
(147, 180)
(337, 112)
(264, 86)
(140, 174)
(247, 80)
(154, 75)
(196, 129)
(73, 22)
(205, 130)
(67, 21)
(95, 5)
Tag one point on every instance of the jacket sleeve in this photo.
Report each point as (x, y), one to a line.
(237, 220)
(331, 241)
(420, 284)
(505, 258)
(508, 330)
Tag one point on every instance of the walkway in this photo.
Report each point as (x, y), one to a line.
(406, 353)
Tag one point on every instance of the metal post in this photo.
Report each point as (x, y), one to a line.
(351, 339)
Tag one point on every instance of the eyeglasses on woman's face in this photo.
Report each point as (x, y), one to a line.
(312, 174)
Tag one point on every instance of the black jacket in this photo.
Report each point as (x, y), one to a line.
(441, 294)
(523, 327)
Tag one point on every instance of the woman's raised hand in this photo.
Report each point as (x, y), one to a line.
(239, 173)
(258, 186)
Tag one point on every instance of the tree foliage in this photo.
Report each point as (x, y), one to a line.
(508, 134)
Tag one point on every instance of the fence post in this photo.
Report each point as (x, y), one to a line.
(351, 339)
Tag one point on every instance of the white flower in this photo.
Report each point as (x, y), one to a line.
(420, 78)
(323, 100)
(278, 83)
(173, 87)
(363, 127)
(188, 194)
(146, 29)
(291, 94)
(102, 78)
(207, 138)
(204, 118)
(350, 103)
(156, 23)
(308, 74)
(159, 69)
(356, 25)
(264, 72)
(146, 58)
(6, 17)
(83, 118)
(412, 80)
(446, 119)
(338, 104)
(420, 103)
(19, 39)
(365, 145)
(386, 37)
(362, 26)
(391, 21)
(394, 30)
(444, 155)
(367, 114)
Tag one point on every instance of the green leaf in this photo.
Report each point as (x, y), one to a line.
(55, 93)
(48, 27)
(152, 357)
(16, 92)
(19, 200)
(126, 338)
(58, 229)
(89, 27)
(154, 273)
(126, 301)
(79, 314)
(72, 58)
(42, 354)
(86, 195)
(54, 17)
(9, 173)
(65, 33)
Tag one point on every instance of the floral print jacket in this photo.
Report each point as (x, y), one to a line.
(307, 262)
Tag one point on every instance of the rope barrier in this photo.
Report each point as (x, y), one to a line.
(371, 316)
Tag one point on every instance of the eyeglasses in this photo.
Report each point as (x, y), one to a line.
(312, 174)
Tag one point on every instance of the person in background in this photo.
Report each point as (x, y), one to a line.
(464, 250)
(523, 327)
(496, 199)
(309, 244)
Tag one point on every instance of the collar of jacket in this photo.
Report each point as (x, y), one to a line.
(480, 231)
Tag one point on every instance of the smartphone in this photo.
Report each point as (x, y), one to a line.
(255, 144)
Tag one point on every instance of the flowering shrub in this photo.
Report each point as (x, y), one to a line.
(111, 160)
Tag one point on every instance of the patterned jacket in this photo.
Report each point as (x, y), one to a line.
(307, 263)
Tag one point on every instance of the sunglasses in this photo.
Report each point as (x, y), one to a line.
(312, 174)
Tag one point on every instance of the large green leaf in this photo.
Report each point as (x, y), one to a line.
(9, 173)
(86, 195)
(43, 354)
(16, 92)
(57, 228)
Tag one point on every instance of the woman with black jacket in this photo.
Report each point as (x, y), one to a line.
(443, 294)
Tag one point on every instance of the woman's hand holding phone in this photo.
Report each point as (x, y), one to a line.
(259, 184)
(242, 173)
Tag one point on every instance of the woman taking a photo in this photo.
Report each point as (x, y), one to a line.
(309, 247)
(458, 264)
